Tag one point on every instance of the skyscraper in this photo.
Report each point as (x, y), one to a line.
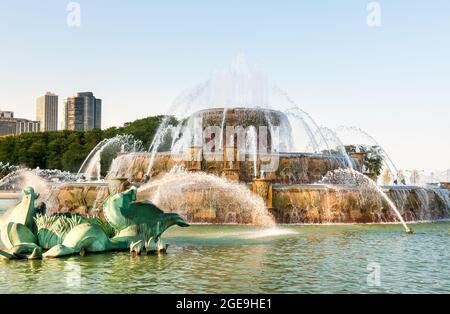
(47, 111)
(82, 112)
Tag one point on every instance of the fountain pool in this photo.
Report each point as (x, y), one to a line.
(245, 259)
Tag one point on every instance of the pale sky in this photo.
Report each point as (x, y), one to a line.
(393, 81)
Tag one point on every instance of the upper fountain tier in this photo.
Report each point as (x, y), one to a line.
(243, 87)
(238, 96)
(186, 147)
(252, 122)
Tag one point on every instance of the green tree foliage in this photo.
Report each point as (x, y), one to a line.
(66, 150)
(374, 157)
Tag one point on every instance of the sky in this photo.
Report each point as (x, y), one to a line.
(392, 80)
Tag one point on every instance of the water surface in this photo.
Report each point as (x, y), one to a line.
(243, 259)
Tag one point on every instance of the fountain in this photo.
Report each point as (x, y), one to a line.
(204, 198)
(364, 183)
(200, 184)
(241, 151)
(92, 165)
(362, 137)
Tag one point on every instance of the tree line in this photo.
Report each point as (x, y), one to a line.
(66, 150)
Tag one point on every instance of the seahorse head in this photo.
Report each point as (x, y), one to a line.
(30, 193)
(115, 204)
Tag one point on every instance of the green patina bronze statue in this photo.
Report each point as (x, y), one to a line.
(142, 223)
(129, 225)
(17, 229)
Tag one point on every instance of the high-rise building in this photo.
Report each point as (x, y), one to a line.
(47, 111)
(82, 112)
(10, 125)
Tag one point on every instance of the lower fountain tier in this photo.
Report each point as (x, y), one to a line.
(287, 203)
(339, 204)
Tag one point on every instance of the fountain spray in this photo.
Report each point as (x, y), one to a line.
(350, 176)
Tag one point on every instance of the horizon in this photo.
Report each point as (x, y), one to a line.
(390, 80)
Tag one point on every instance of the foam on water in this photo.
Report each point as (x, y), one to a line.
(267, 233)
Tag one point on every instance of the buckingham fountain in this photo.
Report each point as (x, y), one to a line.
(233, 150)
(237, 183)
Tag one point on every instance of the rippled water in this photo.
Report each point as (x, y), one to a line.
(243, 259)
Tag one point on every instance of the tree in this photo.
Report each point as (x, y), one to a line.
(37, 154)
(66, 150)
(73, 157)
(374, 157)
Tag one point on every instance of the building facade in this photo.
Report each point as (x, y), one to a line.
(47, 112)
(14, 126)
(7, 114)
(82, 112)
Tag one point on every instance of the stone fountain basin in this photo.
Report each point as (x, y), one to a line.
(290, 203)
